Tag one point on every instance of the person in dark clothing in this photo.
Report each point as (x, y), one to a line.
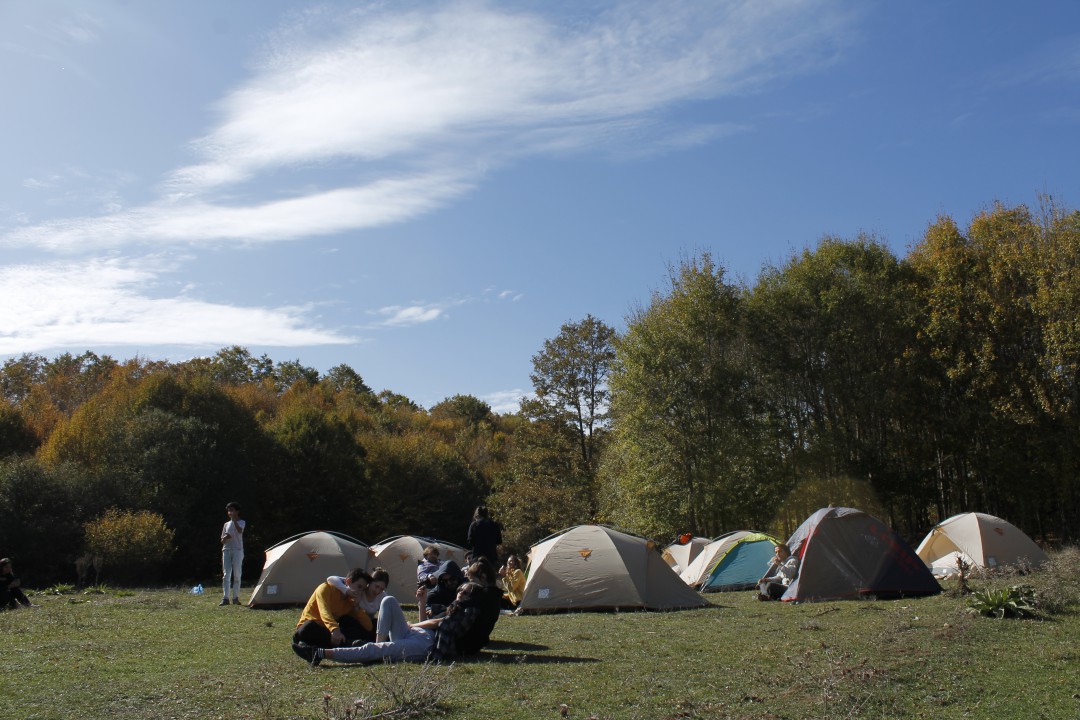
(485, 536)
(447, 578)
(11, 594)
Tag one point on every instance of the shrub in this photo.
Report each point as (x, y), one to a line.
(1013, 601)
(134, 545)
(1058, 581)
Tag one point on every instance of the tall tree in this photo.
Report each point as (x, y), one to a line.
(831, 330)
(569, 377)
(681, 417)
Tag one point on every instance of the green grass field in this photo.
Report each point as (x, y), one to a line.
(164, 653)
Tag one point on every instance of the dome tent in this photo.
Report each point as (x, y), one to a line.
(297, 565)
(680, 554)
(595, 567)
(695, 573)
(983, 541)
(740, 561)
(846, 553)
(400, 555)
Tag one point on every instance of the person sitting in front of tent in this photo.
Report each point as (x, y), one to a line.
(448, 577)
(513, 583)
(426, 569)
(782, 572)
(463, 630)
(331, 617)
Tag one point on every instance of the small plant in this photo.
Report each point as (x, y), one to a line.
(1014, 601)
(398, 693)
(963, 567)
(59, 589)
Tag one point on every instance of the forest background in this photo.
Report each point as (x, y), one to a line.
(911, 387)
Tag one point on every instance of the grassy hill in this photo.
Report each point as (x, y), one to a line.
(164, 653)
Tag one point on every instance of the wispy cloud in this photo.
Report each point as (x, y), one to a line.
(421, 103)
(406, 107)
(406, 315)
(185, 220)
(506, 401)
(109, 302)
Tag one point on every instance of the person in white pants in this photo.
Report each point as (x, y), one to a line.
(232, 554)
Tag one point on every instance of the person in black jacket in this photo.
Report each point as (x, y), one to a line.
(485, 536)
(11, 594)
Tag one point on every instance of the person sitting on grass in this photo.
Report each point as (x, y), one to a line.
(464, 630)
(331, 617)
(426, 568)
(445, 581)
(781, 573)
(513, 583)
(11, 594)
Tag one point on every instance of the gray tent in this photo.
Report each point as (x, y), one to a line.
(845, 553)
(296, 566)
(595, 567)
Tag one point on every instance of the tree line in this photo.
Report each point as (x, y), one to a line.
(913, 387)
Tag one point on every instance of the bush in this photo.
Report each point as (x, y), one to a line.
(1058, 581)
(134, 545)
(1013, 601)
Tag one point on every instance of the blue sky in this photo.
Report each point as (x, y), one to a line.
(427, 191)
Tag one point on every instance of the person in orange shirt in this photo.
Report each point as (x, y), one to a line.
(331, 617)
(512, 580)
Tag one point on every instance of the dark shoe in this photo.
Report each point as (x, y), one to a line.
(236, 601)
(308, 653)
(224, 602)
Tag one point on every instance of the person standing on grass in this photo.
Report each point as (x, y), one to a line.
(485, 536)
(232, 554)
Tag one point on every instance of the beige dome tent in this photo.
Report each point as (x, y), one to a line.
(400, 555)
(982, 540)
(696, 572)
(680, 554)
(594, 567)
(294, 567)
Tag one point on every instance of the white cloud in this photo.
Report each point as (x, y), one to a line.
(401, 316)
(419, 104)
(506, 401)
(190, 221)
(106, 302)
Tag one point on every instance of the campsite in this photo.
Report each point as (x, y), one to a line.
(166, 653)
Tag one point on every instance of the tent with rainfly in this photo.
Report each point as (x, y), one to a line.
(846, 553)
(740, 560)
(680, 554)
(981, 540)
(596, 567)
(297, 565)
(400, 555)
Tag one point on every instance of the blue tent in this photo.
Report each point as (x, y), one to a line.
(745, 561)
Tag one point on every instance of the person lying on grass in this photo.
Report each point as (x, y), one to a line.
(464, 630)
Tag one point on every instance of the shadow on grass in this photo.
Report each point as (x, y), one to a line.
(509, 645)
(483, 657)
(524, 659)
